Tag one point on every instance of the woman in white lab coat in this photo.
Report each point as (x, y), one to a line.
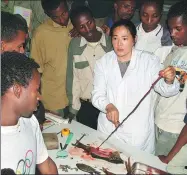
(121, 79)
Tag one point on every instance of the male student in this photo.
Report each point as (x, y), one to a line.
(170, 112)
(14, 35)
(82, 55)
(49, 48)
(22, 145)
(123, 9)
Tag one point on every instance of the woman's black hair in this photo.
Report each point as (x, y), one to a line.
(127, 24)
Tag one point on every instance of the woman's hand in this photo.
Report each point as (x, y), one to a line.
(168, 74)
(112, 114)
(164, 159)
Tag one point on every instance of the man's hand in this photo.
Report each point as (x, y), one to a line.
(70, 116)
(164, 159)
(112, 114)
(168, 74)
(73, 33)
(105, 29)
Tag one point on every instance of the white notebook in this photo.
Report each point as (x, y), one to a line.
(55, 118)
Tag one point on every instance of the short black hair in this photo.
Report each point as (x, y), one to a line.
(126, 23)
(24, 22)
(7, 171)
(159, 4)
(115, 1)
(16, 68)
(49, 5)
(178, 9)
(79, 10)
(10, 25)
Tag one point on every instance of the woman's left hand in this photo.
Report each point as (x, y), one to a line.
(164, 159)
(168, 74)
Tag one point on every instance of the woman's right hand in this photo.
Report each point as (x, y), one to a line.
(112, 114)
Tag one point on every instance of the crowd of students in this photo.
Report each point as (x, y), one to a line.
(96, 75)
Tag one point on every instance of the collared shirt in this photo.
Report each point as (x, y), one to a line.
(81, 61)
(49, 49)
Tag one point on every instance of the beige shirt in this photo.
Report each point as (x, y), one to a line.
(83, 77)
(49, 49)
(170, 111)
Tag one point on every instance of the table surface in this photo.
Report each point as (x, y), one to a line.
(94, 137)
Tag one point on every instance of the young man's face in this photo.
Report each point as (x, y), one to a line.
(86, 26)
(150, 17)
(60, 15)
(125, 8)
(178, 31)
(17, 44)
(30, 95)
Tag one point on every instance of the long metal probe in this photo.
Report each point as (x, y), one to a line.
(131, 111)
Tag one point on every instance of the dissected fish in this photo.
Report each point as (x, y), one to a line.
(86, 168)
(110, 156)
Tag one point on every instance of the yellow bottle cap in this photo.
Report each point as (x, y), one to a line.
(65, 132)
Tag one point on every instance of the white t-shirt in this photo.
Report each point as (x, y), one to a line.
(149, 41)
(22, 146)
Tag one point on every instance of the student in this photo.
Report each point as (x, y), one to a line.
(82, 55)
(121, 79)
(49, 49)
(22, 145)
(170, 112)
(100, 9)
(150, 34)
(14, 35)
(123, 9)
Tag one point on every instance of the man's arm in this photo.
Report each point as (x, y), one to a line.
(70, 77)
(181, 141)
(48, 167)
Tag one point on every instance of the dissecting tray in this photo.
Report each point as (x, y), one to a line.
(140, 168)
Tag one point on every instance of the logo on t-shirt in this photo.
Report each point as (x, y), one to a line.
(24, 165)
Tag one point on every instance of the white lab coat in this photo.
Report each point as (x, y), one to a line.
(125, 93)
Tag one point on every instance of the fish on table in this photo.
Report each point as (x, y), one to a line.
(87, 168)
(105, 154)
